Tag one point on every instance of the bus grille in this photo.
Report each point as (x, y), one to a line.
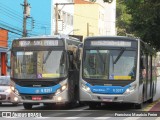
(36, 83)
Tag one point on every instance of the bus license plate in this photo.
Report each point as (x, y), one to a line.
(36, 97)
(107, 99)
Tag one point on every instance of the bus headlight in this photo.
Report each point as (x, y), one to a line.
(14, 90)
(61, 89)
(85, 88)
(130, 89)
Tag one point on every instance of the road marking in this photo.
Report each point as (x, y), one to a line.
(41, 117)
(102, 118)
(132, 118)
(71, 118)
(79, 116)
(57, 114)
(80, 108)
(158, 118)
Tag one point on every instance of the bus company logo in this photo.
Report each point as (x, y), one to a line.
(99, 90)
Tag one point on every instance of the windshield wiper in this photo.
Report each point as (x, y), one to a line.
(119, 55)
(100, 56)
(47, 56)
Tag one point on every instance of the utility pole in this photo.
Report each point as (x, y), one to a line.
(87, 29)
(26, 13)
(56, 15)
(56, 19)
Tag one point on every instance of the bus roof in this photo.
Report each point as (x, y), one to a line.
(48, 36)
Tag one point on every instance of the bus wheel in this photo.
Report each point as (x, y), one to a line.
(27, 106)
(138, 105)
(0, 103)
(93, 105)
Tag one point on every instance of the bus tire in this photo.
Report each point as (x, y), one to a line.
(0, 103)
(27, 106)
(93, 105)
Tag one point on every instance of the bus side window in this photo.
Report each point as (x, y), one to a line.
(142, 68)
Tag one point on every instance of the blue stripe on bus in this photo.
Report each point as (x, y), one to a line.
(107, 89)
(37, 90)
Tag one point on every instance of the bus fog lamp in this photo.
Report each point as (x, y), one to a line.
(59, 98)
(15, 99)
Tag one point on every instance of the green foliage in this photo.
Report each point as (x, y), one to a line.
(145, 20)
(123, 19)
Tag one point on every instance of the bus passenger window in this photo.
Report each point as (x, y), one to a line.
(142, 69)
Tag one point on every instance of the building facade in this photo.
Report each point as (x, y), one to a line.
(85, 18)
(3, 51)
(65, 16)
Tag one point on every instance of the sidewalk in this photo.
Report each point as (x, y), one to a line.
(156, 107)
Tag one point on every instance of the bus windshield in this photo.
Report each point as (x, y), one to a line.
(39, 64)
(116, 64)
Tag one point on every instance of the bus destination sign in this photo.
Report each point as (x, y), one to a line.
(111, 43)
(28, 43)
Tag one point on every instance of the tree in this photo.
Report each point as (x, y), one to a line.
(145, 20)
(122, 19)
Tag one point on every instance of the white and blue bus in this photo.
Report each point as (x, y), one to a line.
(117, 69)
(45, 70)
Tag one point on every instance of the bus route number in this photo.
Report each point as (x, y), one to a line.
(117, 90)
(46, 90)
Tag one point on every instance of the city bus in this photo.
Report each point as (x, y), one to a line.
(118, 70)
(45, 70)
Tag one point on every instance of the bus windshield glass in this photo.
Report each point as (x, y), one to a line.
(39, 64)
(118, 64)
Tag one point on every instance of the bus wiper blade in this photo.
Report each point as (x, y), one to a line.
(99, 54)
(120, 54)
(44, 61)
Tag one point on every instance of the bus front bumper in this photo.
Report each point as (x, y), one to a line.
(59, 99)
(94, 97)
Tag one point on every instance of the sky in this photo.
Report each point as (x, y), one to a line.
(11, 17)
